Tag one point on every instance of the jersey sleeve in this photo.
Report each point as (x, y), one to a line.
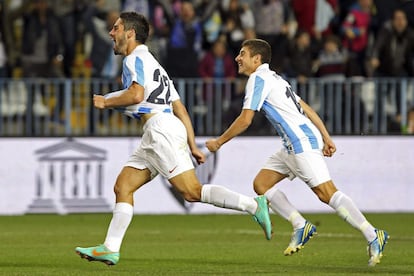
(297, 97)
(255, 93)
(133, 71)
(173, 92)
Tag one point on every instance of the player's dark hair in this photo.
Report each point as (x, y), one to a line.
(259, 47)
(137, 22)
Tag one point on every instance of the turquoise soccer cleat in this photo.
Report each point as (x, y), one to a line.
(376, 247)
(98, 253)
(299, 238)
(262, 216)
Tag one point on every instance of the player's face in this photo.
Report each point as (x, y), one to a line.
(119, 37)
(247, 63)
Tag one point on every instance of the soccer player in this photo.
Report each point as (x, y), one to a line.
(306, 141)
(149, 95)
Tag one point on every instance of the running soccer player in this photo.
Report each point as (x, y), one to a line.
(149, 95)
(306, 141)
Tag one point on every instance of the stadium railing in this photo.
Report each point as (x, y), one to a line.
(63, 107)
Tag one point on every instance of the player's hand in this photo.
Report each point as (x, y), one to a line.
(213, 145)
(349, 33)
(99, 101)
(198, 156)
(329, 148)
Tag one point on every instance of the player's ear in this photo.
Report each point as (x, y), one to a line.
(130, 33)
(258, 58)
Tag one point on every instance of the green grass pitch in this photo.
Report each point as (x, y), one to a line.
(200, 245)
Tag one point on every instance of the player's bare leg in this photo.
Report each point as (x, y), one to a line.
(189, 186)
(128, 181)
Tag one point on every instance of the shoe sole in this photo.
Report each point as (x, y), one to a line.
(92, 259)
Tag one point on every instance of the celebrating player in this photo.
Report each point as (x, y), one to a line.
(306, 141)
(149, 95)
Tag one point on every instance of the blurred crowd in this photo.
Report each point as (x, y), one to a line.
(200, 38)
(332, 39)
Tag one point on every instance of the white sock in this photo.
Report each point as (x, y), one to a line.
(222, 197)
(281, 205)
(122, 216)
(347, 210)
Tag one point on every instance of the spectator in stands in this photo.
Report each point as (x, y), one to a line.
(393, 51)
(408, 7)
(384, 11)
(42, 54)
(217, 68)
(96, 44)
(393, 56)
(271, 24)
(66, 12)
(104, 64)
(140, 6)
(3, 57)
(331, 61)
(160, 14)
(8, 53)
(330, 68)
(185, 42)
(410, 123)
(315, 16)
(217, 62)
(41, 41)
(98, 23)
(238, 24)
(108, 5)
(356, 31)
(300, 58)
(210, 16)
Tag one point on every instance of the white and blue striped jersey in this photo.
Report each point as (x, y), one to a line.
(270, 93)
(159, 92)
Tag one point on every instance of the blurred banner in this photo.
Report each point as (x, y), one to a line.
(76, 175)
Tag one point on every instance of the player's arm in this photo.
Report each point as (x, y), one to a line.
(132, 95)
(181, 112)
(329, 147)
(240, 124)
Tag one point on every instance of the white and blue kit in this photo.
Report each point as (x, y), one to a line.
(159, 91)
(163, 148)
(302, 154)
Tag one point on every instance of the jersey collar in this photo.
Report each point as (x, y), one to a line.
(264, 66)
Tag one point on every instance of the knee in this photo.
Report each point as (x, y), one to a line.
(118, 189)
(187, 185)
(190, 192)
(260, 187)
(323, 197)
(325, 191)
(193, 195)
(257, 187)
(122, 189)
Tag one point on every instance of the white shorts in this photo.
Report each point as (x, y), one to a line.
(310, 166)
(163, 147)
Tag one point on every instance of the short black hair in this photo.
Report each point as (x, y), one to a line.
(137, 22)
(259, 47)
